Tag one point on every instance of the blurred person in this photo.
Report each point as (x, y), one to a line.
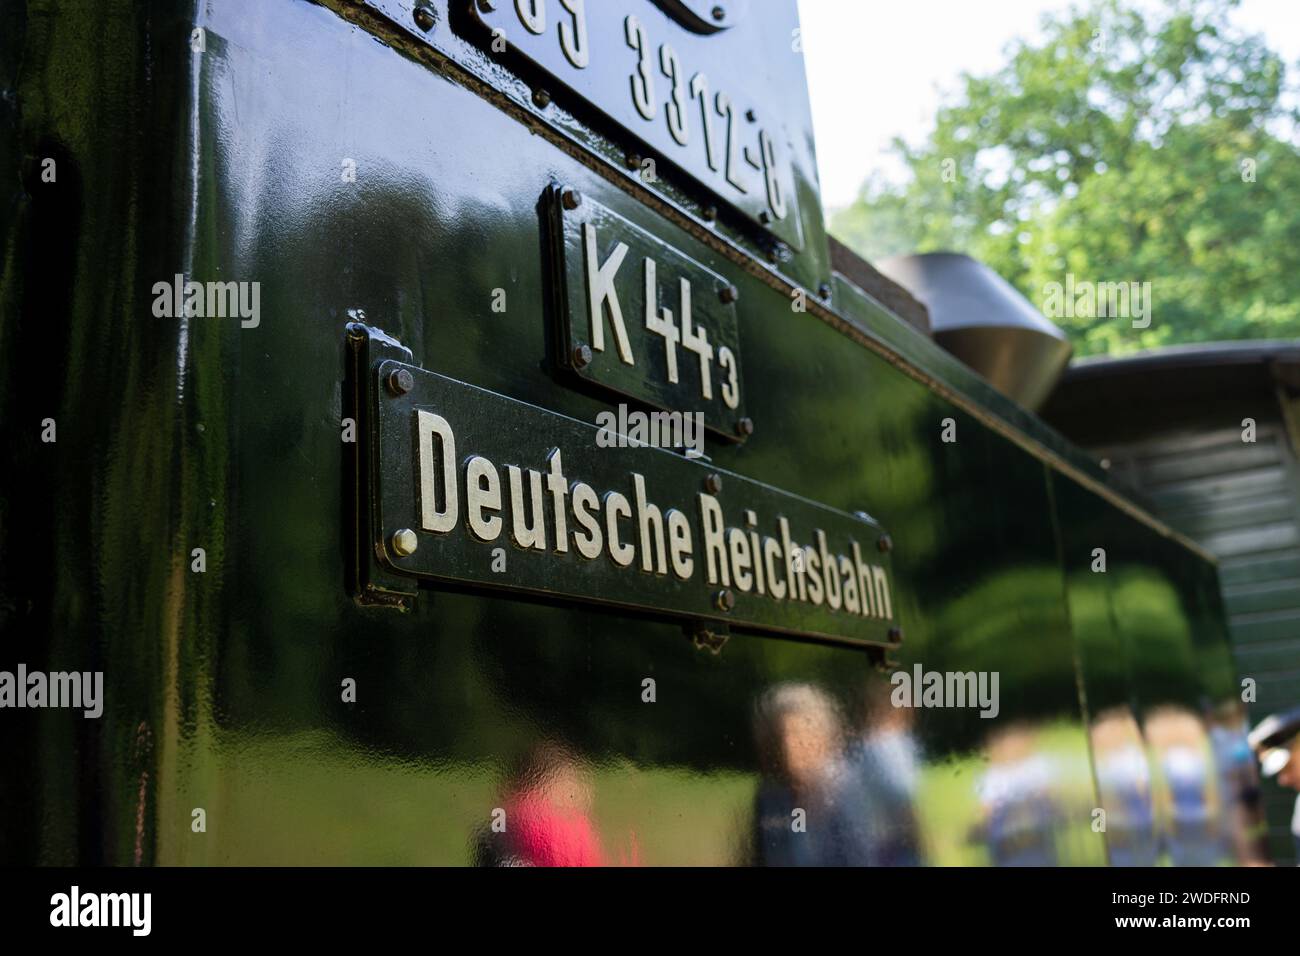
(1124, 788)
(809, 810)
(1242, 813)
(1188, 787)
(547, 805)
(1020, 808)
(1276, 741)
(886, 758)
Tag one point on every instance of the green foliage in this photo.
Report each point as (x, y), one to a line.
(1121, 146)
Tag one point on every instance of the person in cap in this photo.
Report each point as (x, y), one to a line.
(1276, 741)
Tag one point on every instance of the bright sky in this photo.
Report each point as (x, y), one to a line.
(878, 68)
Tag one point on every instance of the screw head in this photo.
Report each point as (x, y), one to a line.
(713, 483)
(895, 635)
(885, 543)
(400, 381)
(571, 198)
(541, 98)
(745, 427)
(718, 14)
(728, 294)
(581, 355)
(724, 600)
(405, 542)
(423, 17)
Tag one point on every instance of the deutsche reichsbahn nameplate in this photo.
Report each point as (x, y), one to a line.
(644, 319)
(478, 489)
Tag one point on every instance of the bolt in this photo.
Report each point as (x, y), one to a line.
(541, 98)
(728, 294)
(581, 355)
(885, 544)
(423, 17)
(404, 542)
(745, 427)
(719, 14)
(571, 198)
(710, 213)
(725, 600)
(713, 484)
(895, 635)
(824, 290)
(400, 381)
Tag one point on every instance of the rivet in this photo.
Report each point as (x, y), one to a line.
(423, 17)
(405, 542)
(885, 543)
(719, 14)
(728, 294)
(541, 98)
(571, 198)
(745, 427)
(581, 355)
(713, 483)
(400, 381)
(724, 600)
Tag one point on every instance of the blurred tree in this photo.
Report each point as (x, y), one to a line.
(1124, 145)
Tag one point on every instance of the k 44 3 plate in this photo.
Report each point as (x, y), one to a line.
(645, 320)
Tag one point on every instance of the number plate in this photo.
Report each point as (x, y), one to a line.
(648, 72)
(645, 320)
(479, 489)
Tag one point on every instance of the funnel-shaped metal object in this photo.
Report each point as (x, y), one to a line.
(980, 317)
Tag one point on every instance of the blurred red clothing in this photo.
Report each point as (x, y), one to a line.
(546, 835)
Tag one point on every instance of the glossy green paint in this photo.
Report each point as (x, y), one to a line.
(225, 688)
